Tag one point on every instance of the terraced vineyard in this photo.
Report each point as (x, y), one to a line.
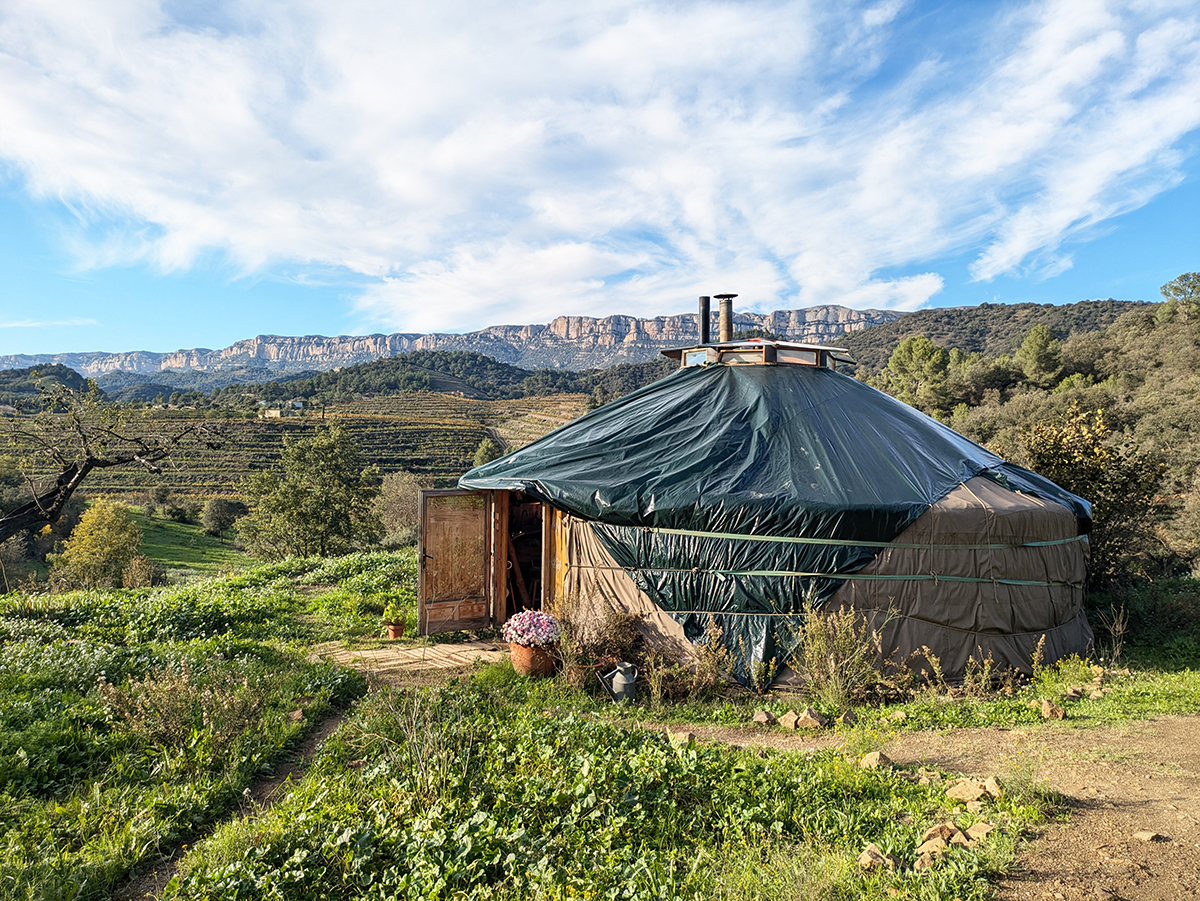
(430, 434)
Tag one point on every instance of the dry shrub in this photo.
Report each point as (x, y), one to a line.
(595, 637)
(171, 708)
(671, 680)
(842, 661)
(142, 572)
(984, 678)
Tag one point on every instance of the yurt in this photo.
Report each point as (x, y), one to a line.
(755, 477)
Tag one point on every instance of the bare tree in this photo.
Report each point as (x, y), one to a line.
(77, 432)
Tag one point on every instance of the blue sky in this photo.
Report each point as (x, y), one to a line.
(189, 174)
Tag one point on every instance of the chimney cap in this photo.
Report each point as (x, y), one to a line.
(724, 296)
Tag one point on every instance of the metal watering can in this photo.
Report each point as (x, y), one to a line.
(621, 682)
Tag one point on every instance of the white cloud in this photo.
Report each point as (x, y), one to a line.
(507, 163)
(46, 323)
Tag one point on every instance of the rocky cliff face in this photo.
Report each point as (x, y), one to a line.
(569, 342)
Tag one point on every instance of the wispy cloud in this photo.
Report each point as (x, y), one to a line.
(47, 323)
(502, 163)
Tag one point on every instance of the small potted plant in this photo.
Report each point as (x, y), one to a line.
(530, 635)
(393, 619)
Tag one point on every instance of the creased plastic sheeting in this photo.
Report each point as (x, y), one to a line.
(690, 576)
(592, 580)
(770, 450)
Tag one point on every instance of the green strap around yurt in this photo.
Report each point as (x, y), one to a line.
(839, 542)
(865, 577)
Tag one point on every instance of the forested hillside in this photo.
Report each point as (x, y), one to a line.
(988, 328)
(20, 388)
(449, 372)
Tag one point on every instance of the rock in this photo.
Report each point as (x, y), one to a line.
(924, 862)
(975, 806)
(764, 718)
(789, 719)
(899, 716)
(959, 839)
(848, 718)
(966, 790)
(873, 859)
(875, 760)
(1096, 695)
(296, 715)
(1098, 670)
(574, 342)
(1052, 711)
(943, 831)
(924, 780)
(1074, 693)
(681, 735)
(810, 719)
(1107, 689)
(992, 787)
(1145, 835)
(1034, 705)
(979, 831)
(934, 846)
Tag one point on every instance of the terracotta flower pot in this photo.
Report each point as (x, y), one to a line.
(395, 630)
(530, 661)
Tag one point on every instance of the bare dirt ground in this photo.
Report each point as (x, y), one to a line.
(1116, 781)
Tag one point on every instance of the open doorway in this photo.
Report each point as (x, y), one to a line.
(524, 555)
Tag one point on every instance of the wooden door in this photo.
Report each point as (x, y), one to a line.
(455, 552)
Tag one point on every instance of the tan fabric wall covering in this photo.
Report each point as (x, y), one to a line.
(593, 578)
(959, 620)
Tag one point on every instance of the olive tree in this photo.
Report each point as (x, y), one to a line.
(76, 433)
(220, 513)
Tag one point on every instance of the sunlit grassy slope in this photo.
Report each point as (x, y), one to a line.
(186, 550)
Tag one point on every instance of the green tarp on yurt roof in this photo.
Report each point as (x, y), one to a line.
(713, 452)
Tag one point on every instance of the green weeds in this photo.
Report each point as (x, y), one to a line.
(466, 792)
(131, 720)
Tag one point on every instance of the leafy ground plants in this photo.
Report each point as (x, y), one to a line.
(131, 720)
(466, 792)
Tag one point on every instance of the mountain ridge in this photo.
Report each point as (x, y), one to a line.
(566, 342)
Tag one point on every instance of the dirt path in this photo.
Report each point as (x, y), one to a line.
(413, 665)
(1117, 781)
(152, 877)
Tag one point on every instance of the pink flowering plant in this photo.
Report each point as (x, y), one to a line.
(531, 628)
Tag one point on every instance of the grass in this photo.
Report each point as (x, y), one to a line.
(184, 550)
(473, 791)
(132, 720)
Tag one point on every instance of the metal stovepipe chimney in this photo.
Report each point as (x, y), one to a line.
(702, 320)
(726, 316)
